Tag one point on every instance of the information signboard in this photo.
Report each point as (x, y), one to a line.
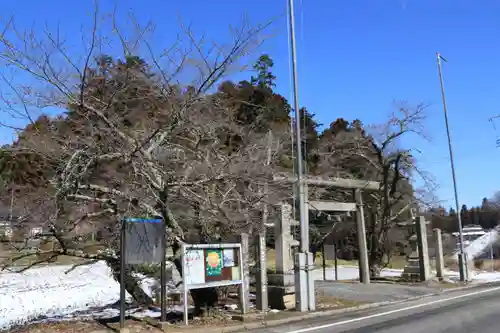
(211, 265)
(143, 241)
(329, 252)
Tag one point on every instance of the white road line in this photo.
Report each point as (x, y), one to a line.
(412, 307)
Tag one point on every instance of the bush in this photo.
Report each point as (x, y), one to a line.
(152, 270)
(478, 264)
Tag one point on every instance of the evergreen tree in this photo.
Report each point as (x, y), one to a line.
(264, 78)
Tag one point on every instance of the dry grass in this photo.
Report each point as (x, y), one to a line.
(8, 256)
(487, 265)
(479, 264)
(326, 301)
(396, 262)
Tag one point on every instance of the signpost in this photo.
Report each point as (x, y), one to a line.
(330, 253)
(142, 241)
(212, 265)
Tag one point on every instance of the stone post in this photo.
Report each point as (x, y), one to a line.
(281, 284)
(439, 253)
(364, 270)
(261, 296)
(423, 249)
(284, 261)
(245, 297)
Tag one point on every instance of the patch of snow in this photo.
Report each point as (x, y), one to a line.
(351, 273)
(50, 292)
(475, 276)
(483, 277)
(148, 284)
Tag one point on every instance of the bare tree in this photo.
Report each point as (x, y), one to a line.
(134, 139)
(378, 154)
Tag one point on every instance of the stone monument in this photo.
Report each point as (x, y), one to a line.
(417, 267)
(281, 284)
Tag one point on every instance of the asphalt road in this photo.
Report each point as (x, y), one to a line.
(467, 311)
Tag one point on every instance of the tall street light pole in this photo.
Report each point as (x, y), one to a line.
(304, 281)
(463, 261)
(304, 227)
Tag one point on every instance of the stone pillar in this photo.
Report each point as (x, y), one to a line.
(281, 284)
(439, 253)
(245, 297)
(261, 296)
(284, 261)
(423, 249)
(364, 270)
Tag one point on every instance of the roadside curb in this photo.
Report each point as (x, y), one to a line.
(320, 314)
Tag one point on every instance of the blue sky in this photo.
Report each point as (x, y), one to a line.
(355, 58)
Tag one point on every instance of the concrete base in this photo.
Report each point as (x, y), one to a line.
(301, 287)
(411, 270)
(462, 263)
(164, 326)
(311, 291)
(281, 298)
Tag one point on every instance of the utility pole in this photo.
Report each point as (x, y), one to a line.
(303, 285)
(304, 228)
(464, 272)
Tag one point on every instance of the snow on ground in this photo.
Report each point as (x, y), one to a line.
(350, 273)
(478, 246)
(475, 276)
(48, 292)
(482, 277)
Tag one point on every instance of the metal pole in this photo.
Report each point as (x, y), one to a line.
(163, 275)
(323, 259)
(464, 272)
(122, 275)
(336, 262)
(184, 284)
(304, 227)
(491, 252)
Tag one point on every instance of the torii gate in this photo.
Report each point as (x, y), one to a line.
(304, 278)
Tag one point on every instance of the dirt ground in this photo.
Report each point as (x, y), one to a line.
(323, 300)
(90, 326)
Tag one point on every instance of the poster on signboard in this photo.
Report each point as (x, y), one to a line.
(235, 273)
(228, 257)
(195, 267)
(214, 263)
